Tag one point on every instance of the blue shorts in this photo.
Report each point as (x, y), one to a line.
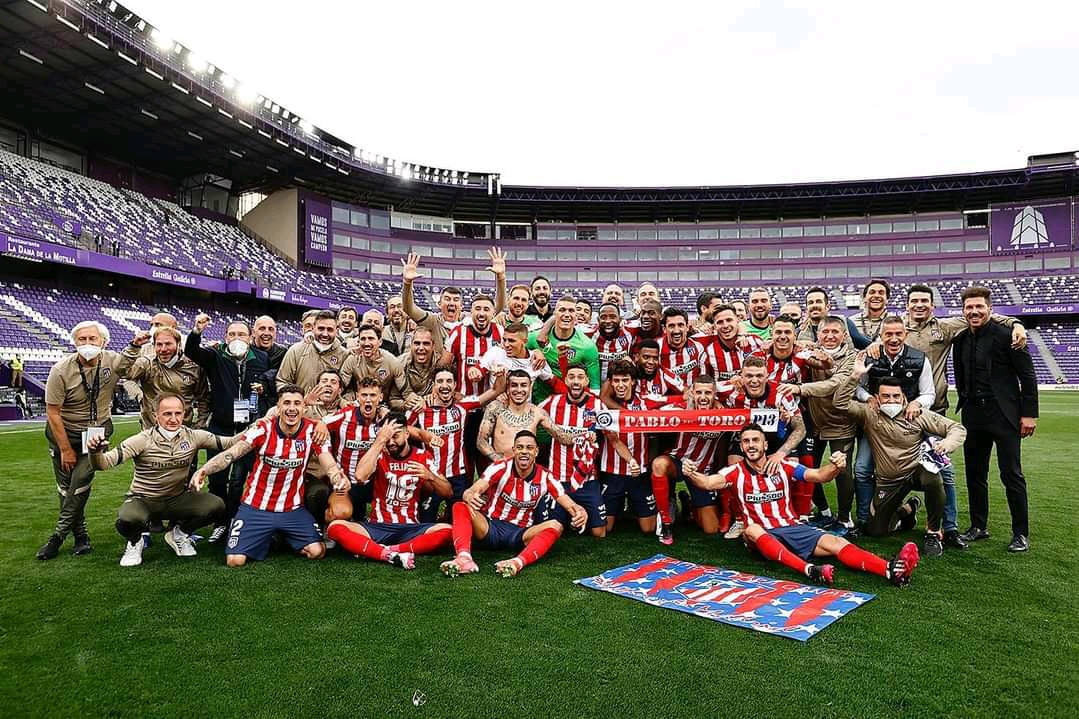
(390, 533)
(701, 498)
(360, 494)
(590, 497)
(459, 482)
(639, 489)
(252, 530)
(503, 535)
(799, 538)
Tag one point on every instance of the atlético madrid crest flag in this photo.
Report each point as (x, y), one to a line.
(773, 606)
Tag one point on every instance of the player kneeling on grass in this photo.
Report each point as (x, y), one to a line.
(399, 474)
(272, 498)
(763, 486)
(162, 456)
(517, 485)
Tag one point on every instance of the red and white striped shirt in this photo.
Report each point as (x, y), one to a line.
(687, 363)
(701, 448)
(350, 437)
(395, 489)
(513, 498)
(658, 390)
(467, 347)
(570, 418)
(765, 498)
(276, 480)
(448, 423)
(787, 371)
(729, 396)
(723, 362)
(609, 462)
(614, 348)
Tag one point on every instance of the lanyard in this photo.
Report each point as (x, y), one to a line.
(92, 391)
(241, 366)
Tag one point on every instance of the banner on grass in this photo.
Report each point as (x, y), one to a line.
(773, 606)
(685, 420)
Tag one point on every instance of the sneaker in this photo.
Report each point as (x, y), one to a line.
(822, 519)
(910, 521)
(954, 540)
(1019, 544)
(404, 560)
(736, 530)
(459, 565)
(838, 528)
(822, 574)
(509, 567)
(330, 544)
(50, 549)
(82, 545)
(665, 533)
(854, 533)
(931, 545)
(132, 556)
(217, 534)
(180, 542)
(902, 567)
(974, 534)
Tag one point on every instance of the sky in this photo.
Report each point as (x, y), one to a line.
(660, 94)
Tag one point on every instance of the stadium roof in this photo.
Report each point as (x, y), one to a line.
(92, 73)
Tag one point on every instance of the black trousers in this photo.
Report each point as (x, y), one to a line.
(987, 426)
(228, 484)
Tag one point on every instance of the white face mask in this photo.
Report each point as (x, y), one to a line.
(833, 352)
(168, 433)
(891, 409)
(88, 352)
(237, 348)
(322, 347)
(173, 361)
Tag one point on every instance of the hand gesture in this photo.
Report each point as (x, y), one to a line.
(416, 402)
(410, 267)
(321, 435)
(201, 322)
(97, 443)
(873, 350)
(353, 345)
(579, 517)
(437, 441)
(634, 468)
(789, 389)
(563, 350)
(498, 262)
(860, 367)
(338, 479)
(474, 374)
(420, 469)
(140, 339)
(386, 431)
(311, 398)
(197, 480)
(773, 463)
(913, 410)
(537, 360)
(838, 460)
(473, 499)
(1019, 337)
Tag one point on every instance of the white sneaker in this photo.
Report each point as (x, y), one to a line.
(132, 556)
(330, 544)
(405, 560)
(736, 530)
(180, 542)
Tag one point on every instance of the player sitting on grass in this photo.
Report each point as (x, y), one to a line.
(516, 485)
(763, 486)
(399, 473)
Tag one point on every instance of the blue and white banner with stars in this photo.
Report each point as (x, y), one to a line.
(772, 606)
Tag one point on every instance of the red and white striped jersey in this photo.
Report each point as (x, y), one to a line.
(725, 362)
(448, 423)
(614, 348)
(513, 498)
(395, 489)
(701, 448)
(791, 370)
(637, 444)
(687, 363)
(765, 498)
(467, 347)
(350, 437)
(276, 480)
(658, 390)
(570, 418)
(729, 396)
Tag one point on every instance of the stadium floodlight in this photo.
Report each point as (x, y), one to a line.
(161, 40)
(406, 173)
(148, 114)
(113, 5)
(38, 5)
(34, 58)
(95, 88)
(227, 82)
(95, 39)
(307, 127)
(127, 59)
(196, 63)
(245, 94)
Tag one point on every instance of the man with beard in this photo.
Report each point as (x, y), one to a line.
(417, 368)
(368, 359)
(864, 327)
(352, 432)
(681, 356)
(613, 294)
(157, 321)
(816, 311)
(450, 303)
(273, 493)
(573, 412)
(540, 308)
(565, 340)
(347, 320)
(444, 416)
(623, 457)
(740, 309)
(726, 348)
(501, 421)
(760, 314)
(773, 528)
(648, 325)
(395, 338)
(399, 475)
(517, 308)
(497, 511)
(377, 320)
(832, 427)
(468, 344)
(656, 386)
(168, 372)
(707, 302)
(305, 361)
(614, 341)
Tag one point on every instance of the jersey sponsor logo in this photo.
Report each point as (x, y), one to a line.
(683, 368)
(518, 504)
(446, 428)
(763, 497)
(470, 361)
(283, 462)
(364, 444)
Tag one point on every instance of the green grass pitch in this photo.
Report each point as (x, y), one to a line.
(978, 634)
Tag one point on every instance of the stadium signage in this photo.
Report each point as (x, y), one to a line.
(1025, 227)
(316, 249)
(37, 251)
(685, 420)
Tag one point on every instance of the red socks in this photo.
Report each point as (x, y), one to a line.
(772, 549)
(462, 528)
(426, 543)
(857, 558)
(662, 489)
(356, 543)
(540, 545)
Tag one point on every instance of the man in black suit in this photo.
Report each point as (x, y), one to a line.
(998, 394)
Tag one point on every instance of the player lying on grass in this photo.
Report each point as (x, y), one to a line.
(504, 521)
(772, 528)
(399, 475)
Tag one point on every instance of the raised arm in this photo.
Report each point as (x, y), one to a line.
(498, 268)
(409, 272)
(560, 435)
(367, 464)
(193, 348)
(220, 462)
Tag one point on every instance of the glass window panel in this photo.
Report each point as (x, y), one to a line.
(629, 255)
(586, 276)
(952, 224)
(380, 268)
(792, 253)
(340, 240)
(668, 234)
(771, 273)
(749, 253)
(442, 274)
(668, 276)
(340, 214)
(462, 253)
(647, 254)
(707, 255)
(858, 251)
(358, 218)
(877, 228)
(905, 248)
(464, 275)
(687, 234)
(712, 234)
(792, 273)
(687, 254)
(606, 255)
(1033, 264)
(340, 263)
(981, 245)
(769, 253)
(627, 235)
(383, 246)
(728, 234)
(437, 251)
(733, 254)
(360, 265)
(771, 232)
(858, 271)
(1057, 263)
(546, 255)
(546, 234)
(928, 247)
(834, 230)
(793, 231)
(814, 231)
(566, 235)
(931, 268)
(360, 243)
(905, 226)
(814, 273)
(952, 246)
(927, 225)
(813, 252)
(881, 269)
(380, 222)
(1002, 266)
(586, 255)
(858, 228)
(752, 275)
(729, 275)
(904, 271)
(833, 272)
(668, 254)
(565, 276)
(606, 235)
(646, 234)
(951, 268)
(607, 276)
(526, 254)
(750, 233)
(977, 267)
(835, 251)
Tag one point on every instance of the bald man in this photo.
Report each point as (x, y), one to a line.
(264, 337)
(376, 319)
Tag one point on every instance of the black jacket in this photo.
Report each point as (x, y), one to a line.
(221, 370)
(907, 369)
(1011, 373)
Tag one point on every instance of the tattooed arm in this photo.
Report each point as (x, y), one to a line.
(561, 436)
(219, 462)
(487, 429)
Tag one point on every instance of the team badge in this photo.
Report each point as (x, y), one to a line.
(334, 360)
(301, 445)
(106, 373)
(187, 379)
(533, 489)
(381, 372)
(455, 414)
(910, 374)
(185, 445)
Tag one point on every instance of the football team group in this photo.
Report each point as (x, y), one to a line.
(396, 434)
